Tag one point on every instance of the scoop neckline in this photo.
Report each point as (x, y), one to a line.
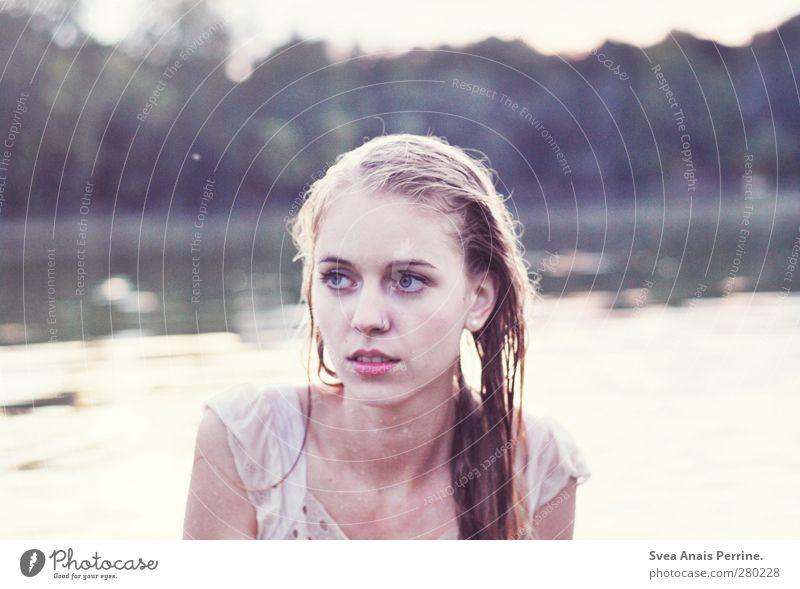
(308, 495)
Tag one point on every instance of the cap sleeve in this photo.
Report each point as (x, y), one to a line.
(249, 419)
(552, 459)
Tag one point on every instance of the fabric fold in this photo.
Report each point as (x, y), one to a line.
(249, 419)
(552, 459)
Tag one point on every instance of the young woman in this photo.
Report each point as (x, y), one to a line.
(409, 256)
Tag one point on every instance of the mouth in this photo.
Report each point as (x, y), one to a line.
(371, 356)
(373, 359)
(372, 362)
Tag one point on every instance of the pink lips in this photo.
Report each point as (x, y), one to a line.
(373, 368)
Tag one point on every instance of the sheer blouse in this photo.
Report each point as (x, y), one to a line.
(265, 433)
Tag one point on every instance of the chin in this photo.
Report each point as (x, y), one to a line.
(377, 392)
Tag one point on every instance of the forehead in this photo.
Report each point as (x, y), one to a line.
(376, 228)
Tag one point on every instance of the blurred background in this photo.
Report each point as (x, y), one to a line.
(152, 154)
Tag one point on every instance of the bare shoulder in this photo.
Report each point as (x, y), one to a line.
(217, 506)
(212, 445)
(555, 520)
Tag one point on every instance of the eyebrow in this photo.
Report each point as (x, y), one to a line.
(411, 262)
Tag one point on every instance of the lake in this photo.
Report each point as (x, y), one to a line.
(686, 416)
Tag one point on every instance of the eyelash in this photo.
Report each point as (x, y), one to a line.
(325, 277)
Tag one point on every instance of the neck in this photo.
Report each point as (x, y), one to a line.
(402, 443)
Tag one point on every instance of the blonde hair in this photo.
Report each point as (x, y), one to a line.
(429, 170)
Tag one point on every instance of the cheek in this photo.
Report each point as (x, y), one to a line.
(445, 314)
(438, 320)
(438, 336)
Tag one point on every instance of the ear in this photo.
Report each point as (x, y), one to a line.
(483, 292)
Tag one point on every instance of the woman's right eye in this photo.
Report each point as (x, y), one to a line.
(336, 280)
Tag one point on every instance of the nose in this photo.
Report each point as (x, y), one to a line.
(368, 315)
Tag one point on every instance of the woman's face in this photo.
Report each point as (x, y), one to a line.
(391, 296)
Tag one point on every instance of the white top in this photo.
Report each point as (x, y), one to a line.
(265, 433)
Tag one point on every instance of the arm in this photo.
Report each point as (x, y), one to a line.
(217, 507)
(555, 519)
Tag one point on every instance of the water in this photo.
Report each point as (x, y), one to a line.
(153, 275)
(686, 416)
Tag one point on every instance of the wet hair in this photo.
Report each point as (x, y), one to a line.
(488, 422)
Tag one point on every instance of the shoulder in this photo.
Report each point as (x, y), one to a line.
(243, 441)
(231, 420)
(258, 426)
(212, 436)
(547, 439)
(242, 400)
(251, 408)
(217, 506)
(555, 520)
(549, 459)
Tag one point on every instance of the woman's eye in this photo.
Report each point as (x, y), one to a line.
(411, 283)
(402, 281)
(335, 280)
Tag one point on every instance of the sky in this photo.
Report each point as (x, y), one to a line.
(550, 27)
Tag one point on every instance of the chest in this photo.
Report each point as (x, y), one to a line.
(360, 512)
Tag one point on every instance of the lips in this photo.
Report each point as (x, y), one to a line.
(372, 363)
(372, 356)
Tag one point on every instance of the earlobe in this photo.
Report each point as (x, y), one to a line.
(486, 288)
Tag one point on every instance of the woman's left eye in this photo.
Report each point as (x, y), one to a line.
(411, 282)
